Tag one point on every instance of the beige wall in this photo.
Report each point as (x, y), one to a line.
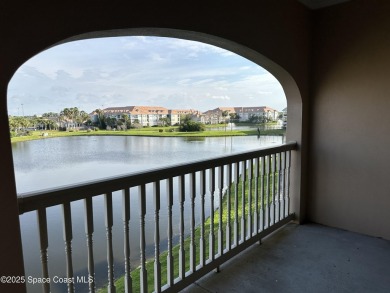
(350, 120)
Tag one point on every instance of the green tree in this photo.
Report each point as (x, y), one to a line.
(187, 124)
(126, 121)
(165, 121)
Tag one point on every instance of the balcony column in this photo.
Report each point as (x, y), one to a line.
(11, 246)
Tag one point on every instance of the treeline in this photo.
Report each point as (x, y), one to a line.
(67, 118)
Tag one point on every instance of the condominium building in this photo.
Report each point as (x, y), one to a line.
(146, 115)
(243, 113)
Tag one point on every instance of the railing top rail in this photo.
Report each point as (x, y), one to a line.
(45, 198)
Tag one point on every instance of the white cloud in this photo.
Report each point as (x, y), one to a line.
(221, 98)
(203, 81)
(140, 70)
(184, 81)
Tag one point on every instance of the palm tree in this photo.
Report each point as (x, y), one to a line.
(101, 118)
(74, 113)
(65, 115)
(84, 116)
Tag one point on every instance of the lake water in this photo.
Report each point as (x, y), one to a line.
(55, 162)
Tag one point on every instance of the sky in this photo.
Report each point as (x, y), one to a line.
(137, 70)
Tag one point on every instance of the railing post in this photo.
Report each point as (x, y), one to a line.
(268, 197)
(110, 255)
(228, 203)
(211, 235)
(44, 244)
(263, 186)
(256, 214)
(250, 180)
(279, 185)
(220, 192)
(193, 244)
(202, 250)
(126, 232)
(243, 189)
(142, 213)
(284, 184)
(288, 182)
(182, 265)
(236, 183)
(68, 236)
(157, 264)
(89, 229)
(170, 275)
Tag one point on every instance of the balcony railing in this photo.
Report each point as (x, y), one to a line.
(232, 202)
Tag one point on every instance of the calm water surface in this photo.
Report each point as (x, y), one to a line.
(55, 162)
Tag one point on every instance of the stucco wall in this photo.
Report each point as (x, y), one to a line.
(350, 122)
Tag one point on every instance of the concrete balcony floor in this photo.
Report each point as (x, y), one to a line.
(305, 258)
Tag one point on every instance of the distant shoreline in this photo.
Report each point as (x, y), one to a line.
(151, 131)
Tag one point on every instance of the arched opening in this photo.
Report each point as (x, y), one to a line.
(293, 97)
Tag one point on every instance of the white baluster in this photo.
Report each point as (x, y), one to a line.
(284, 185)
(228, 194)
(89, 229)
(157, 264)
(211, 234)
(142, 213)
(110, 255)
(243, 189)
(220, 193)
(202, 242)
(126, 232)
(263, 193)
(250, 180)
(68, 236)
(44, 244)
(182, 265)
(236, 183)
(257, 186)
(288, 181)
(268, 196)
(170, 275)
(193, 244)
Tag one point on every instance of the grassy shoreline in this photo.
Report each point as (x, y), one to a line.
(151, 131)
(135, 273)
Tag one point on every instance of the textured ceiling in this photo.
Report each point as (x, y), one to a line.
(317, 4)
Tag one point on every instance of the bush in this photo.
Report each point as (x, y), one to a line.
(191, 126)
(161, 130)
